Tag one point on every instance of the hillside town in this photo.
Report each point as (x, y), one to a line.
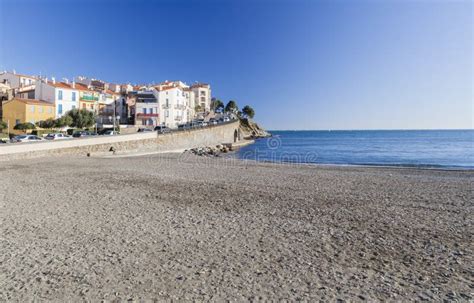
(169, 104)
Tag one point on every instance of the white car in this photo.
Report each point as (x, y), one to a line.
(25, 138)
(57, 136)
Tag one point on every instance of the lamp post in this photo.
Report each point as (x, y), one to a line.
(115, 114)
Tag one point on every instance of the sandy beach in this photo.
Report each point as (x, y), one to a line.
(183, 227)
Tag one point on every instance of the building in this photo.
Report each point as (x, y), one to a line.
(19, 110)
(174, 102)
(144, 108)
(22, 86)
(202, 96)
(88, 98)
(5, 94)
(93, 84)
(64, 96)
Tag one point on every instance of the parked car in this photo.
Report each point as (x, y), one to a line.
(162, 129)
(212, 121)
(82, 134)
(57, 136)
(225, 119)
(25, 138)
(184, 126)
(143, 130)
(110, 133)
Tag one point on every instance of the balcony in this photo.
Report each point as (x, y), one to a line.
(179, 106)
(142, 115)
(165, 106)
(178, 118)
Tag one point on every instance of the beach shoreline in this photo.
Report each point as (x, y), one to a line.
(184, 227)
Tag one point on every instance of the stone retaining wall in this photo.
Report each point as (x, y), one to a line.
(149, 141)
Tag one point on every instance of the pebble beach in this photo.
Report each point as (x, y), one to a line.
(183, 227)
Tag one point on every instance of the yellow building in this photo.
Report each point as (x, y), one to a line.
(18, 111)
(88, 98)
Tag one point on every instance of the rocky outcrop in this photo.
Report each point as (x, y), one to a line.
(209, 150)
(251, 130)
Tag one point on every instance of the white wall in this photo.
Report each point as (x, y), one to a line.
(50, 94)
(67, 101)
(12, 79)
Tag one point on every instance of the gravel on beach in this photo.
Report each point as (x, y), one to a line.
(184, 227)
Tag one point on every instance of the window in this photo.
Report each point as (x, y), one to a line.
(144, 111)
(32, 108)
(17, 121)
(151, 110)
(167, 113)
(177, 93)
(84, 105)
(30, 82)
(60, 94)
(40, 110)
(167, 103)
(60, 109)
(73, 98)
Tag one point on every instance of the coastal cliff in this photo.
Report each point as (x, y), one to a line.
(251, 130)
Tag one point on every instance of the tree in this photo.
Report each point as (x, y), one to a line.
(81, 118)
(248, 111)
(231, 106)
(48, 123)
(217, 105)
(24, 126)
(3, 125)
(63, 121)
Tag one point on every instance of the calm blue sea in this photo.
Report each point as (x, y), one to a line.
(411, 148)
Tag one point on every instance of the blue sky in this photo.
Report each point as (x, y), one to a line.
(300, 64)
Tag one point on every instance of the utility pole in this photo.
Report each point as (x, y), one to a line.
(115, 113)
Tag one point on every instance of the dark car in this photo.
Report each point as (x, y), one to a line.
(143, 130)
(184, 126)
(162, 129)
(82, 134)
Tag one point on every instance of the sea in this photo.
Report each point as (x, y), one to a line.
(445, 149)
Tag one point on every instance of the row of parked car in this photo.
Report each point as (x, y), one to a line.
(162, 129)
(60, 136)
(107, 132)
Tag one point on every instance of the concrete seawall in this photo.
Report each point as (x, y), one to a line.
(150, 141)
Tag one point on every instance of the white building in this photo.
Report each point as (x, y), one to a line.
(22, 86)
(177, 101)
(65, 96)
(202, 96)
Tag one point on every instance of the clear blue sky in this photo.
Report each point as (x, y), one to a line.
(300, 64)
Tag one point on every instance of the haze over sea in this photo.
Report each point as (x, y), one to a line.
(410, 148)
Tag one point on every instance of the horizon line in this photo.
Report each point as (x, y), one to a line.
(375, 129)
